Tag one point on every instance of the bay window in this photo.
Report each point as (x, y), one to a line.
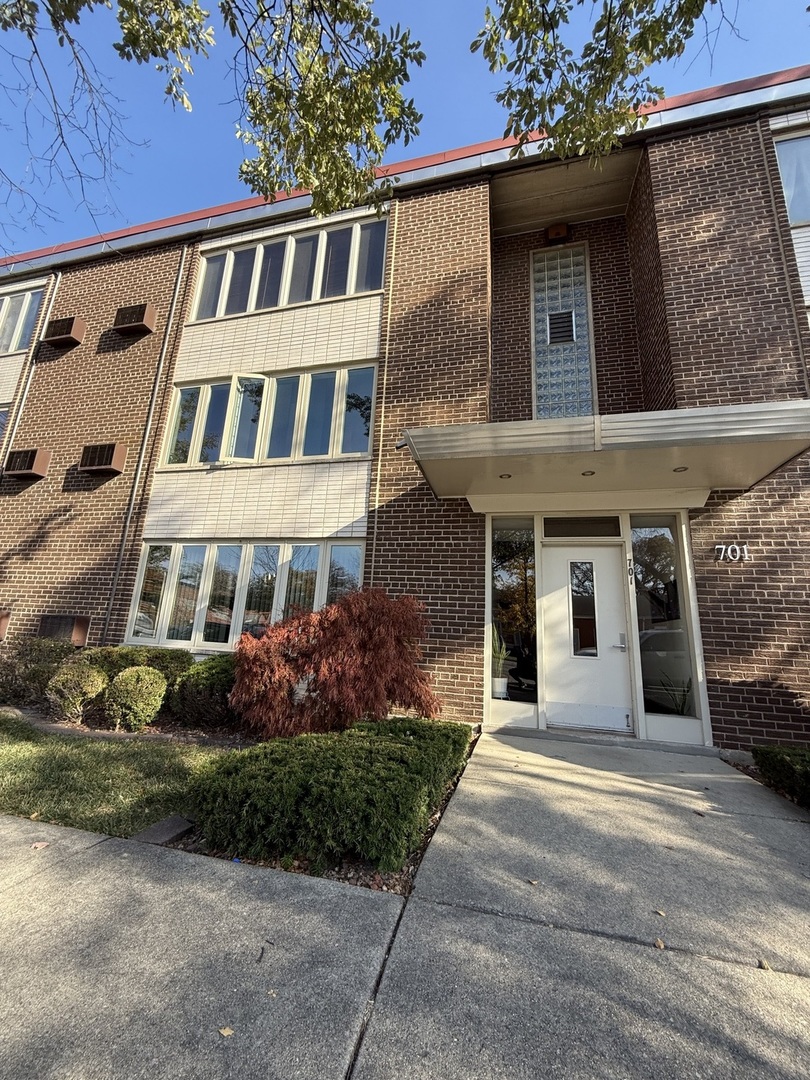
(296, 269)
(202, 595)
(254, 417)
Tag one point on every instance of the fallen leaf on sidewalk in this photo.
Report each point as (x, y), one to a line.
(532, 882)
(659, 943)
(40, 844)
(34, 816)
(226, 1032)
(764, 965)
(699, 813)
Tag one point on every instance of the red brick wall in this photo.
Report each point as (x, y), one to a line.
(754, 615)
(731, 321)
(655, 360)
(60, 536)
(434, 370)
(613, 318)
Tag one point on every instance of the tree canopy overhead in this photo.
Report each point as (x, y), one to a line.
(322, 87)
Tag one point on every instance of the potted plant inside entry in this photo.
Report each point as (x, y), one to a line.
(500, 656)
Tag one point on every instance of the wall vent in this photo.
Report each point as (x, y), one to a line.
(72, 628)
(28, 464)
(105, 458)
(135, 319)
(64, 332)
(560, 327)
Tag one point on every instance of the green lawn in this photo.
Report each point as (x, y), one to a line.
(101, 785)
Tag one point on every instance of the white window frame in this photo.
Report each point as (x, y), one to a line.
(227, 456)
(290, 237)
(29, 289)
(196, 643)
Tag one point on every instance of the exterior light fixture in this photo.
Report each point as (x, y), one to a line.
(589, 472)
(682, 468)
(505, 476)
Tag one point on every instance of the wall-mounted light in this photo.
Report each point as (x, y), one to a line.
(505, 476)
(682, 468)
(589, 472)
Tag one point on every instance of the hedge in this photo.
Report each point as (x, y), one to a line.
(786, 768)
(367, 792)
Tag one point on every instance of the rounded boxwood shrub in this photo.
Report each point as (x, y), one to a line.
(134, 697)
(113, 659)
(73, 687)
(27, 664)
(199, 696)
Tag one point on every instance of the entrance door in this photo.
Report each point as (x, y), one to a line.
(584, 640)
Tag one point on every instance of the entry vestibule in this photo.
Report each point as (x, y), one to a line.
(593, 626)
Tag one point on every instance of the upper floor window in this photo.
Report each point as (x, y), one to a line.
(253, 417)
(293, 269)
(18, 317)
(3, 422)
(794, 167)
(562, 340)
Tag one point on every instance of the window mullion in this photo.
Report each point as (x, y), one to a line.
(301, 415)
(354, 255)
(286, 274)
(172, 575)
(203, 596)
(199, 425)
(338, 412)
(254, 280)
(320, 258)
(284, 557)
(225, 284)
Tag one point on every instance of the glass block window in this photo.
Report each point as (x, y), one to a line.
(562, 354)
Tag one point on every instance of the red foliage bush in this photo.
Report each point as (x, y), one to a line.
(324, 671)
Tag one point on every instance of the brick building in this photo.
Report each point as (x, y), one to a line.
(567, 407)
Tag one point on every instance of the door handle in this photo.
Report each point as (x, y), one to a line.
(622, 643)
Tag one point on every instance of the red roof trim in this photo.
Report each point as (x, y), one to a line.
(713, 93)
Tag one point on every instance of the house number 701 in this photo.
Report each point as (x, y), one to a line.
(732, 552)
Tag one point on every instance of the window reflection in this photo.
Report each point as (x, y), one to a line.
(514, 632)
(666, 664)
(219, 613)
(583, 609)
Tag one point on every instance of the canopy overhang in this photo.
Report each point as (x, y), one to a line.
(673, 458)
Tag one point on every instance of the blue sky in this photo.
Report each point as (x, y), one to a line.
(189, 161)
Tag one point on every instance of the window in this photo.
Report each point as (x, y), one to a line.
(296, 269)
(18, 317)
(562, 352)
(794, 167)
(4, 411)
(206, 595)
(254, 417)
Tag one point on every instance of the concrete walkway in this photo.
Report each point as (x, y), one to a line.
(528, 948)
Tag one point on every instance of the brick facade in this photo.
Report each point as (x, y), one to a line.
(60, 537)
(434, 370)
(616, 359)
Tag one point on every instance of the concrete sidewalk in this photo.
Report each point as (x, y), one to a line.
(528, 948)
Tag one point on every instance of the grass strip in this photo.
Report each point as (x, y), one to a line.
(102, 785)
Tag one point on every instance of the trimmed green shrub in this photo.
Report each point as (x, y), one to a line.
(368, 792)
(27, 665)
(786, 768)
(199, 696)
(72, 689)
(134, 697)
(113, 659)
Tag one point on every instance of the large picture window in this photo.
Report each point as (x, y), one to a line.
(204, 596)
(254, 417)
(18, 317)
(295, 269)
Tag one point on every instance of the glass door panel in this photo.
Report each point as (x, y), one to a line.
(666, 662)
(514, 610)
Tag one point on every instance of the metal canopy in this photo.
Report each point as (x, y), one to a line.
(672, 458)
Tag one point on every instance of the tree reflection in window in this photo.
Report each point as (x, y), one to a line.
(514, 605)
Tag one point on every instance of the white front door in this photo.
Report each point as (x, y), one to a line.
(584, 640)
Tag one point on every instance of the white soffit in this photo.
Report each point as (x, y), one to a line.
(684, 453)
